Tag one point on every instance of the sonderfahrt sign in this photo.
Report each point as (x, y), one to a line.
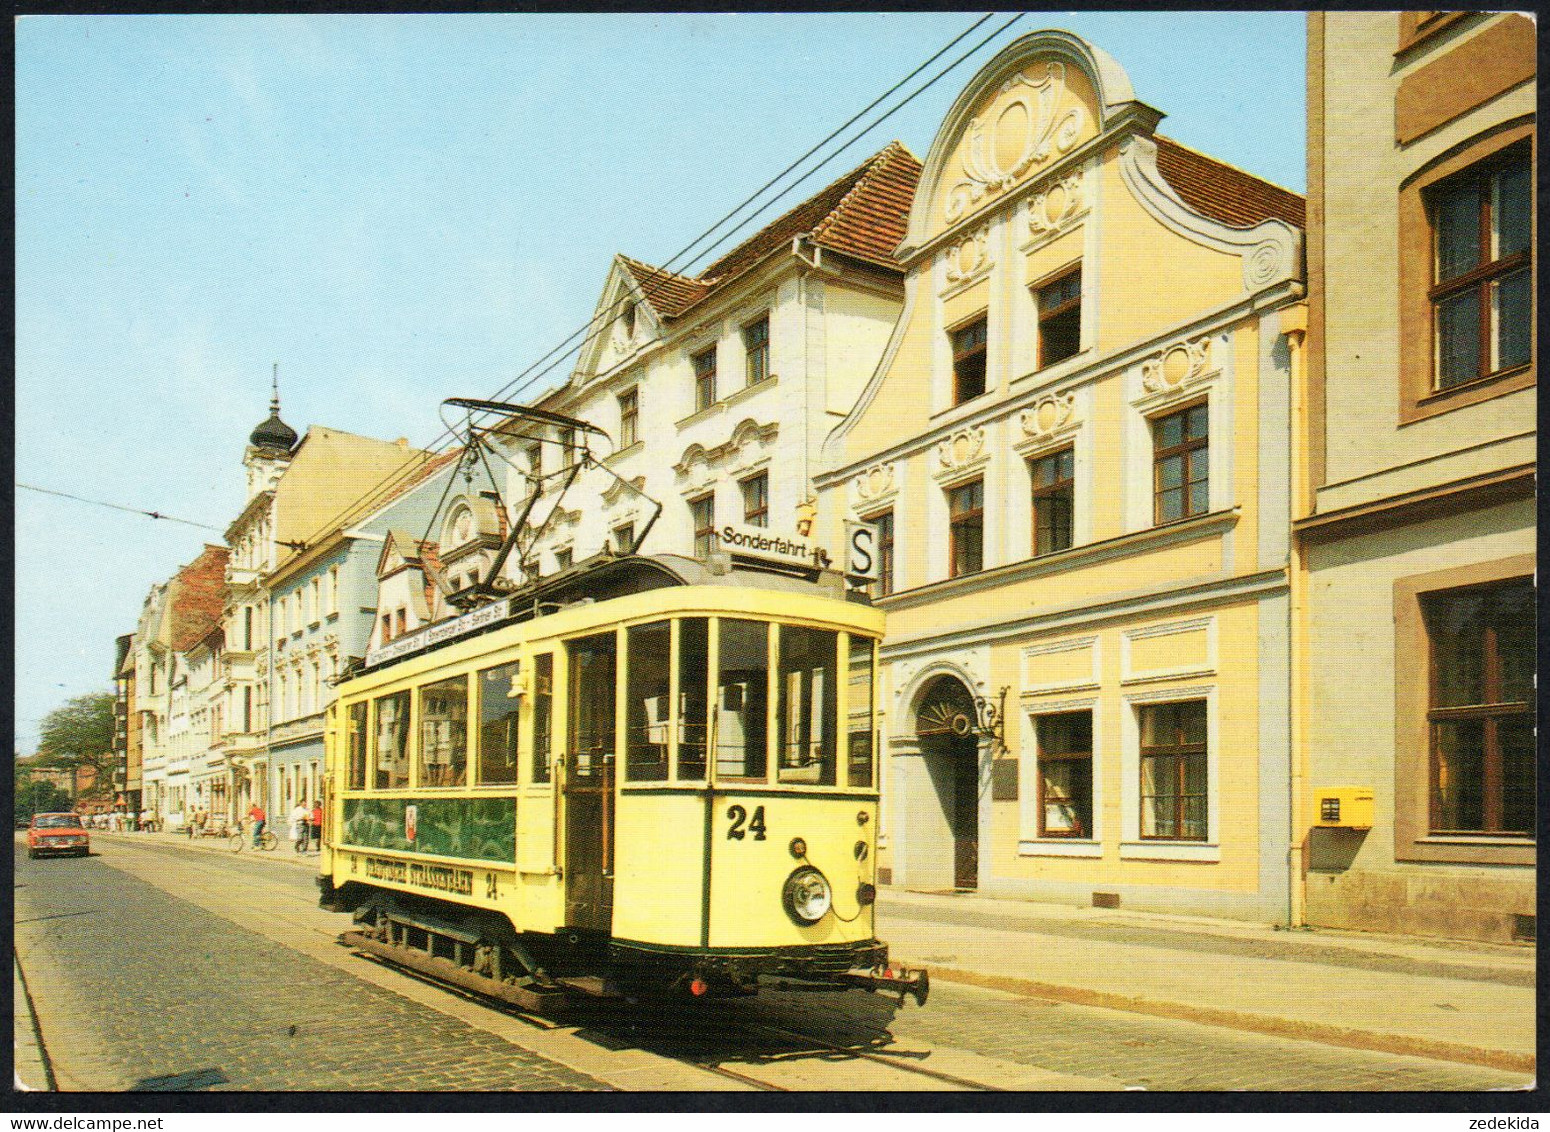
(760, 542)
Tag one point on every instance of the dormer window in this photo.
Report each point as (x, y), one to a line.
(627, 321)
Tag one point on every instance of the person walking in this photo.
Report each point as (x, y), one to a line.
(317, 824)
(259, 819)
(299, 817)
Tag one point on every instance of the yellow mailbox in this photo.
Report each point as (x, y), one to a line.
(1343, 807)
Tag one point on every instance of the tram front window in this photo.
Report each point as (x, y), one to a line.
(741, 699)
(648, 651)
(392, 742)
(693, 676)
(859, 770)
(805, 705)
(498, 725)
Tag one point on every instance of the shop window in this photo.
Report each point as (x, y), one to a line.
(1060, 318)
(966, 528)
(1181, 455)
(1174, 769)
(704, 379)
(1481, 715)
(1054, 490)
(1065, 774)
(756, 347)
(969, 360)
(498, 721)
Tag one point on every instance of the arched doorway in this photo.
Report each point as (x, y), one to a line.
(944, 726)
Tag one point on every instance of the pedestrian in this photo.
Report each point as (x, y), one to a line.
(317, 824)
(259, 819)
(145, 818)
(299, 817)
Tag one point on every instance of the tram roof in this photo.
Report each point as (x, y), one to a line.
(607, 576)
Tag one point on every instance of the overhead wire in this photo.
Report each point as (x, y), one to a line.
(394, 481)
(120, 507)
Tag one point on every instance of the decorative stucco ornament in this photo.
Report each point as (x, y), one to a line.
(1177, 366)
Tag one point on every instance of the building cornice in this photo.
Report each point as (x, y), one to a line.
(1423, 505)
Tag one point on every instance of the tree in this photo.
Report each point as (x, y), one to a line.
(37, 796)
(80, 734)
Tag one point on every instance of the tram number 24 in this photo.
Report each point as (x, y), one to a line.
(737, 815)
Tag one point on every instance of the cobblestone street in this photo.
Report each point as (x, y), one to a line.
(161, 968)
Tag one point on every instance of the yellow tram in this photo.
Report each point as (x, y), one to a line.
(518, 808)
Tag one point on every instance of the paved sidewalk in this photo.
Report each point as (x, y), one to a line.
(1454, 1000)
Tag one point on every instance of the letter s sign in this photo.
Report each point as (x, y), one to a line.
(861, 552)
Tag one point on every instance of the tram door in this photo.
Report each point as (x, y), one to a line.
(589, 783)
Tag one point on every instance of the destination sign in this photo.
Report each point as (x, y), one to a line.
(760, 542)
(450, 629)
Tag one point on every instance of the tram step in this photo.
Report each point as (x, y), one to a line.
(592, 985)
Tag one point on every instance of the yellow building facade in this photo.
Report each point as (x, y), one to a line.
(1075, 455)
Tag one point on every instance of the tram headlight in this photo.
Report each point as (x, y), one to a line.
(807, 896)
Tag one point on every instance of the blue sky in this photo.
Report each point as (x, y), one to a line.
(398, 209)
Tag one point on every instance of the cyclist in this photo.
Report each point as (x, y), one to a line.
(259, 819)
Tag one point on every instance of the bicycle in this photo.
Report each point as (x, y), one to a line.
(267, 841)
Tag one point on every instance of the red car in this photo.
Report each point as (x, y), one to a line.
(57, 833)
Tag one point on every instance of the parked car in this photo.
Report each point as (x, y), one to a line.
(57, 833)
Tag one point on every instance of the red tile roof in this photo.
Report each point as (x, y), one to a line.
(199, 592)
(1223, 193)
(863, 214)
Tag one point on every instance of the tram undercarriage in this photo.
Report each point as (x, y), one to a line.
(481, 952)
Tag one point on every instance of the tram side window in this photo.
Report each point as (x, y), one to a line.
(860, 704)
(649, 649)
(742, 697)
(693, 675)
(444, 733)
(393, 742)
(806, 703)
(355, 724)
(543, 713)
(498, 725)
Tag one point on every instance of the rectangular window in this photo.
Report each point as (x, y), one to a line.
(535, 468)
(756, 500)
(333, 589)
(387, 627)
(629, 418)
(862, 746)
(704, 379)
(693, 680)
(355, 725)
(884, 524)
(966, 528)
(742, 698)
(805, 704)
(543, 714)
(1173, 771)
(756, 344)
(315, 601)
(567, 447)
(1060, 318)
(647, 659)
(247, 708)
(1065, 774)
(247, 628)
(392, 746)
(702, 512)
(624, 538)
(1181, 453)
(444, 733)
(1054, 490)
(498, 721)
(563, 558)
(1481, 644)
(400, 623)
(591, 692)
(1481, 295)
(969, 360)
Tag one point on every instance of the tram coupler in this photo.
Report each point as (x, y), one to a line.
(888, 980)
